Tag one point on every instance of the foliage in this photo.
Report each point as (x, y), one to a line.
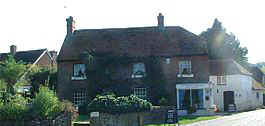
(15, 109)
(100, 74)
(222, 45)
(10, 72)
(191, 109)
(155, 79)
(163, 101)
(40, 76)
(46, 105)
(118, 105)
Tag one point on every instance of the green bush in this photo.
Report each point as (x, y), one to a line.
(46, 105)
(116, 105)
(163, 101)
(15, 109)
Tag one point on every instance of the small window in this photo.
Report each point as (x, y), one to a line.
(79, 98)
(138, 70)
(185, 67)
(140, 93)
(79, 72)
(257, 95)
(167, 60)
(221, 79)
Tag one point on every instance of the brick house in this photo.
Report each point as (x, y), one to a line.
(182, 57)
(40, 57)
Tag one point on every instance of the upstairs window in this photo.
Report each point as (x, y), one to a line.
(221, 79)
(138, 70)
(185, 67)
(79, 72)
(140, 93)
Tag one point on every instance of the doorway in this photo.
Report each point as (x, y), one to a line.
(228, 99)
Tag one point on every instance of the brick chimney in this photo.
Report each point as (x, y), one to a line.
(70, 25)
(13, 49)
(160, 21)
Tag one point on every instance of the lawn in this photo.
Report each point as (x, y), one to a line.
(189, 119)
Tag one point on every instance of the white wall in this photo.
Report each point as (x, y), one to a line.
(245, 97)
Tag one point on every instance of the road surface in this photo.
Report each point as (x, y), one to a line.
(251, 118)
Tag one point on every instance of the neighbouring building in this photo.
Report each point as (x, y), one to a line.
(232, 84)
(40, 58)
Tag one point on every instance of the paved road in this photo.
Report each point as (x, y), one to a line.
(252, 118)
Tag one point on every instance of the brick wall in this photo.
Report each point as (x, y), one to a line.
(45, 61)
(200, 69)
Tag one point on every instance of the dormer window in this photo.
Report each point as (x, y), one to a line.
(185, 69)
(138, 70)
(79, 72)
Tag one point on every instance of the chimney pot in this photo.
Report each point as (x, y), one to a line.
(70, 25)
(160, 21)
(13, 49)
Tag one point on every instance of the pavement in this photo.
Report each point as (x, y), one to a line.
(250, 118)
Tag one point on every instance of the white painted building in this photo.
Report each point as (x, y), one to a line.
(233, 84)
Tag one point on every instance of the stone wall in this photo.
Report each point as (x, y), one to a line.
(62, 120)
(130, 119)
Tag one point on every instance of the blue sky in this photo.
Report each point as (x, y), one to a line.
(35, 24)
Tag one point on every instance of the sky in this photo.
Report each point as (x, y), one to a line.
(37, 24)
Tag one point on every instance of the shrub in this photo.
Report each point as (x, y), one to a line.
(15, 109)
(163, 101)
(69, 109)
(116, 105)
(46, 105)
(82, 109)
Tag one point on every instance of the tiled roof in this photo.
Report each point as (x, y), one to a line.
(133, 42)
(28, 57)
(226, 67)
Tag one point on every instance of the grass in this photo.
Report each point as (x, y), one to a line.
(189, 119)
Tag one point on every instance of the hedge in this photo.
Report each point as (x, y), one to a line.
(117, 105)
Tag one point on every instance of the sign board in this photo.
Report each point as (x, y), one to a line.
(94, 114)
(171, 117)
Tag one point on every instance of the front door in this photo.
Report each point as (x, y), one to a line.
(228, 99)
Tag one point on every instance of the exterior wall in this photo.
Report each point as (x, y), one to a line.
(45, 61)
(200, 70)
(67, 86)
(243, 93)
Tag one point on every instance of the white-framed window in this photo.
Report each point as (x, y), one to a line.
(221, 79)
(138, 70)
(79, 97)
(185, 67)
(140, 92)
(167, 60)
(79, 72)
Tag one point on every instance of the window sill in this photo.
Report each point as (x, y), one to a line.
(185, 75)
(79, 78)
(137, 76)
(221, 84)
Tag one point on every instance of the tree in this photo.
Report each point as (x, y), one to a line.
(42, 76)
(11, 72)
(222, 45)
